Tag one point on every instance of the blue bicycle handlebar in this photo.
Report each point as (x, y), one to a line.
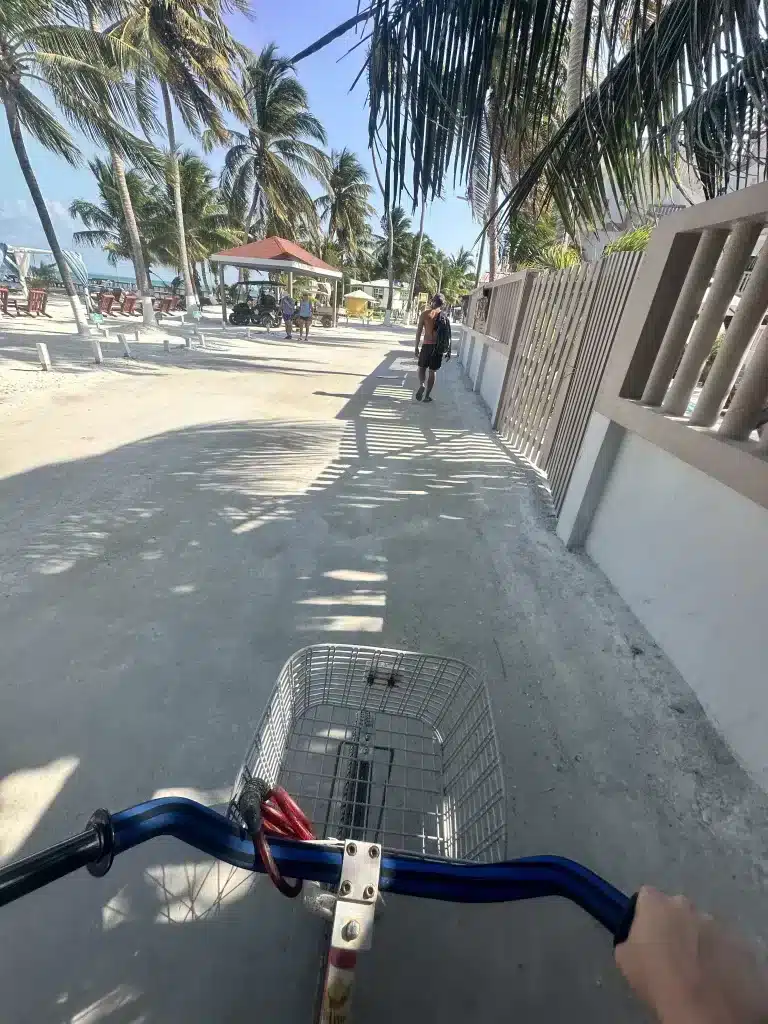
(222, 838)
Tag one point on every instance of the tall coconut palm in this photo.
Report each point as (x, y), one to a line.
(207, 223)
(92, 12)
(187, 49)
(680, 80)
(265, 167)
(402, 244)
(81, 72)
(106, 226)
(417, 254)
(346, 207)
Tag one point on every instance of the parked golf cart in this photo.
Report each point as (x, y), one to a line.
(255, 303)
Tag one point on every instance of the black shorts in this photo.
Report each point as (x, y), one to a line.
(430, 358)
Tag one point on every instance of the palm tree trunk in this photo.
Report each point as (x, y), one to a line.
(390, 245)
(415, 270)
(575, 56)
(204, 272)
(14, 125)
(134, 238)
(480, 259)
(173, 168)
(493, 247)
(493, 200)
(132, 228)
(196, 279)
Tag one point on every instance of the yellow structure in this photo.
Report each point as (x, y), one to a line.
(357, 303)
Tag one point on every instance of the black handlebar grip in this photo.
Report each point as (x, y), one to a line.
(249, 804)
(625, 925)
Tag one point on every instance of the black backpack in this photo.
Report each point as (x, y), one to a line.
(442, 334)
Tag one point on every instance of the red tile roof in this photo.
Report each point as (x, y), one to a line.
(275, 248)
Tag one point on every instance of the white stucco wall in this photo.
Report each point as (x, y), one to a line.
(690, 557)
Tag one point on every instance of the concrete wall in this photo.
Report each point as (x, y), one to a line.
(689, 555)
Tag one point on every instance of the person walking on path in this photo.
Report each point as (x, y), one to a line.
(305, 316)
(436, 326)
(288, 309)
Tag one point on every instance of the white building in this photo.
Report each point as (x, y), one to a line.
(379, 290)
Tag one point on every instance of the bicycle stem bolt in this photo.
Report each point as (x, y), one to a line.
(351, 849)
(373, 852)
(350, 931)
(368, 892)
(345, 888)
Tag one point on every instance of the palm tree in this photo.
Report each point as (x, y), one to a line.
(80, 70)
(417, 255)
(188, 51)
(402, 244)
(90, 12)
(105, 222)
(657, 84)
(458, 277)
(207, 222)
(264, 167)
(346, 206)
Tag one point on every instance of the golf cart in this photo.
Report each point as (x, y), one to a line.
(255, 303)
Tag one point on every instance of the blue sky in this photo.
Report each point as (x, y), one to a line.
(326, 77)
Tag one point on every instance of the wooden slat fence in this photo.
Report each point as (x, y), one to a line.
(504, 299)
(569, 423)
(562, 338)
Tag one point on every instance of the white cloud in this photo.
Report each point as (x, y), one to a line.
(57, 210)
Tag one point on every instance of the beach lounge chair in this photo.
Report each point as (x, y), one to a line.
(37, 299)
(128, 305)
(106, 302)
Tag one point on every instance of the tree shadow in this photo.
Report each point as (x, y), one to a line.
(152, 594)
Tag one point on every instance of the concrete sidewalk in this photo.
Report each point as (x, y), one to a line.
(170, 539)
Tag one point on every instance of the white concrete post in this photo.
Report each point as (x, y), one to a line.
(43, 356)
(746, 320)
(125, 347)
(166, 345)
(202, 340)
(96, 347)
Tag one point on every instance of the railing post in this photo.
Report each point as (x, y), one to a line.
(746, 320)
(728, 273)
(696, 283)
(751, 396)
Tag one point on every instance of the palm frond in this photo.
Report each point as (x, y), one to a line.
(685, 79)
(43, 126)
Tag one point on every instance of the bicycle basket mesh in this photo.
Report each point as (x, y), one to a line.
(385, 746)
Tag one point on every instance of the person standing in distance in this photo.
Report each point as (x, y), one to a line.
(436, 327)
(305, 316)
(287, 309)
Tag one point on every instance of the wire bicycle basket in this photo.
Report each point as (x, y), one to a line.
(385, 746)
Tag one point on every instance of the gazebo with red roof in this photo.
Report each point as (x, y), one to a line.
(271, 254)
